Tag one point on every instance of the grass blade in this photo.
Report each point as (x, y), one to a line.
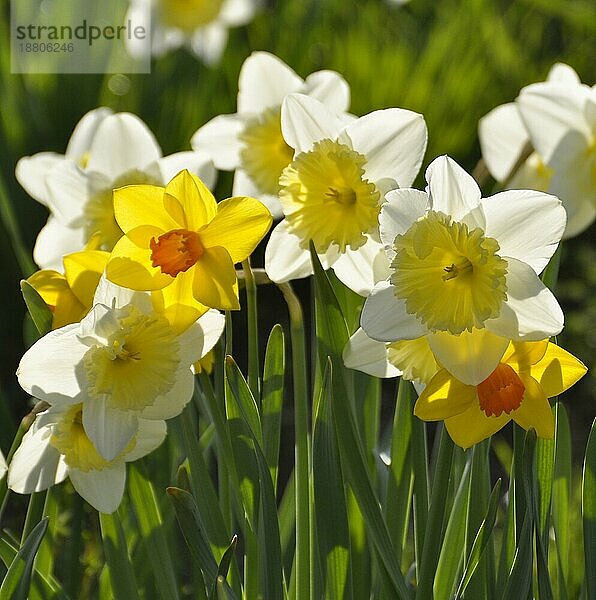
(589, 512)
(15, 585)
(122, 577)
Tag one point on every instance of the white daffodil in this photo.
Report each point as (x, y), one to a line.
(57, 446)
(123, 362)
(105, 151)
(250, 141)
(202, 25)
(464, 270)
(332, 191)
(555, 117)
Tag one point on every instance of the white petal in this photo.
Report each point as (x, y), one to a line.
(528, 225)
(236, 12)
(573, 182)
(393, 141)
(102, 489)
(36, 465)
(531, 312)
(470, 357)
(209, 43)
(84, 132)
(330, 88)
(503, 137)
(149, 437)
(285, 259)
(116, 296)
(401, 209)
(549, 110)
(264, 82)
(305, 121)
(384, 317)
(109, 429)
(139, 15)
(196, 162)
(563, 73)
(244, 186)
(3, 465)
(122, 143)
(49, 370)
(212, 324)
(68, 192)
(368, 355)
(172, 403)
(452, 190)
(218, 139)
(54, 242)
(31, 173)
(356, 268)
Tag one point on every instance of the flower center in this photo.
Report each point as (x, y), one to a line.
(502, 391)
(98, 216)
(326, 199)
(265, 153)
(70, 439)
(189, 14)
(137, 363)
(176, 251)
(451, 278)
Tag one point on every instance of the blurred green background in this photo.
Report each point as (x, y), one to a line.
(450, 60)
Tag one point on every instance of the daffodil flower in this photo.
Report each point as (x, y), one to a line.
(464, 270)
(123, 362)
(332, 191)
(250, 141)
(560, 117)
(70, 295)
(518, 389)
(106, 151)
(180, 237)
(57, 446)
(200, 24)
(552, 167)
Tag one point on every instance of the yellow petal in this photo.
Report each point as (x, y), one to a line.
(83, 271)
(177, 303)
(473, 426)
(130, 266)
(414, 358)
(189, 201)
(443, 397)
(215, 283)
(56, 293)
(534, 411)
(522, 355)
(137, 205)
(240, 224)
(557, 371)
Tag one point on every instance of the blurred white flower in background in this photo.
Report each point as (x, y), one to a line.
(106, 151)
(202, 25)
(250, 141)
(558, 118)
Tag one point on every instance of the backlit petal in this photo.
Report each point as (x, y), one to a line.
(214, 282)
(369, 356)
(285, 258)
(239, 225)
(218, 138)
(473, 426)
(557, 371)
(102, 489)
(189, 201)
(139, 205)
(534, 411)
(443, 397)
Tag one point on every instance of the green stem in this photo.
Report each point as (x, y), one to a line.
(253, 331)
(436, 515)
(35, 511)
(302, 443)
(11, 225)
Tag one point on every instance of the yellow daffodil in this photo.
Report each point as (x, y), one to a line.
(518, 389)
(70, 296)
(180, 236)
